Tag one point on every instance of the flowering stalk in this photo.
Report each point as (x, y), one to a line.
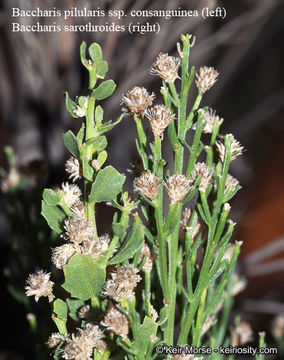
(178, 245)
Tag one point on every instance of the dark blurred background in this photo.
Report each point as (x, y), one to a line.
(246, 47)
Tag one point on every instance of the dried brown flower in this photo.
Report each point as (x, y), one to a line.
(77, 230)
(147, 184)
(78, 209)
(241, 334)
(137, 100)
(236, 149)
(123, 281)
(166, 67)
(85, 313)
(39, 285)
(116, 322)
(160, 117)
(201, 169)
(186, 214)
(80, 346)
(55, 339)
(177, 187)
(62, 254)
(206, 78)
(73, 168)
(96, 246)
(210, 118)
(231, 183)
(70, 193)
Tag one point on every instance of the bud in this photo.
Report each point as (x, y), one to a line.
(73, 168)
(81, 110)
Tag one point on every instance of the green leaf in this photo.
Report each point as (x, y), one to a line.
(53, 216)
(102, 68)
(133, 243)
(88, 170)
(70, 141)
(102, 158)
(84, 279)
(50, 197)
(84, 61)
(107, 185)
(10, 155)
(95, 52)
(60, 309)
(99, 114)
(104, 90)
(119, 230)
(147, 331)
(98, 143)
(74, 306)
(70, 105)
(80, 135)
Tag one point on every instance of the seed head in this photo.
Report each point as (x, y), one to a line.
(210, 118)
(166, 67)
(116, 322)
(201, 169)
(78, 209)
(77, 230)
(73, 168)
(147, 184)
(39, 285)
(70, 193)
(94, 247)
(145, 252)
(137, 100)
(236, 148)
(160, 117)
(123, 281)
(177, 187)
(206, 78)
(80, 111)
(55, 339)
(241, 334)
(62, 254)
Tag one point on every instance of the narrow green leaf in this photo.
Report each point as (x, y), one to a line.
(84, 279)
(50, 197)
(147, 331)
(119, 230)
(70, 141)
(60, 309)
(53, 216)
(133, 243)
(107, 185)
(70, 105)
(104, 90)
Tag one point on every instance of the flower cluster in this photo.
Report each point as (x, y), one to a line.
(167, 67)
(206, 78)
(177, 187)
(137, 100)
(39, 285)
(159, 117)
(148, 185)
